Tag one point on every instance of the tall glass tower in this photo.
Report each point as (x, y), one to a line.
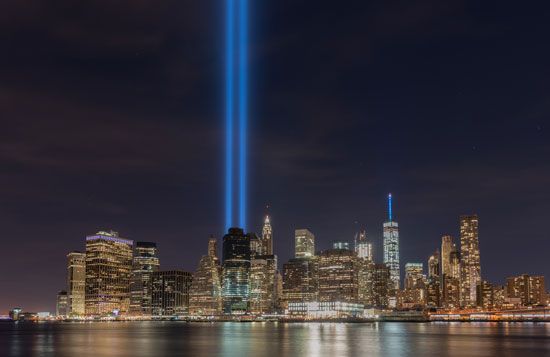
(236, 272)
(391, 246)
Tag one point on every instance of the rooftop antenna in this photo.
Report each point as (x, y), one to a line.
(389, 208)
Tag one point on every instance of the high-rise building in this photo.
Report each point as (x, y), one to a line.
(530, 289)
(108, 270)
(236, 272)
(414, 272)
(455, 263)
(340, 245)
(382, 283)
(338, 280)
(446, 249)
(470, 276)
(485, 295)
(434, 282)
(363, 247)
(304, 243)
(263, 271)
(62, 304)
(365, 281)
(434, 265)
(391, 246)
(205, 295)
(145, 263)
(170, 292)
(76, 282)
(267, 237)
(300, 280)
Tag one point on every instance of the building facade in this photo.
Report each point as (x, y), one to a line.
(108, 271)
(236, 272)
(300, 280)
(470, 276)
(338, 278)
(391, 246)
(170, 292)
(62, 304)
(76, 283)
(529, 289)
(304, 243)
(363, 248)
(145, 263)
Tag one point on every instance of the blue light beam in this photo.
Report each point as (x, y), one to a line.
(243, 110)
(229, 99)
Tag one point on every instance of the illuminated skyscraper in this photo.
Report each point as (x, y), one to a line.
(382, 283)
(434, 265)
(413, 273)
(470, 266)
(145, 263)
(446, 248)
(300, 280)
(267, 237)
(263, 272)
(62, 304)
(363, 247)
(304, 243)
(170, 292)
(76, 282)
(236, 272)
(391, 246)
(338, 280)
(108, 270)
(205, 295)
(530, 289)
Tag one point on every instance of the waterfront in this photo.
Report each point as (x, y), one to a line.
(148, 338)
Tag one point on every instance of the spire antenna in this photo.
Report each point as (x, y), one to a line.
(390, 208)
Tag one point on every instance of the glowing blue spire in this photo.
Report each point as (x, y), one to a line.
(389, 208)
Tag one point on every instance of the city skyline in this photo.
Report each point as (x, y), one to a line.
(119, 126)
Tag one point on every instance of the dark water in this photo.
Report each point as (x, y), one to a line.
(122, 339)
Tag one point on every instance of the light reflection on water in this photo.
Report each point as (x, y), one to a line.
(138, 339)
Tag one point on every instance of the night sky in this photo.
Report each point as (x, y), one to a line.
(112, 117)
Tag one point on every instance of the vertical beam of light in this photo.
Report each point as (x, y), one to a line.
(243, 112)
(229, 99)
(389, 207)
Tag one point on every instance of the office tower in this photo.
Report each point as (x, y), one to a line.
(485, 295)
(279, 291)
(267, 237)
(145, 263)
(205, 295)
(62, 304)
(338, 281)
(433, 265)
(363, 247)
(76, 282)
(414, 272)
(391, 246)
(455, 263)
(434, 283)
(300, 280)
(304, 243)
(263, 271)
(530, 289)
(446, 249)
(382, 283)
(170, 292)
(255, 243)
(499, 296)
(108, 270)
(340, 245)
(236, 272)
(470, 267)
(213, 248)
(450, 294)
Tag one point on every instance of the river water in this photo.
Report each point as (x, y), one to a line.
(135, 339)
